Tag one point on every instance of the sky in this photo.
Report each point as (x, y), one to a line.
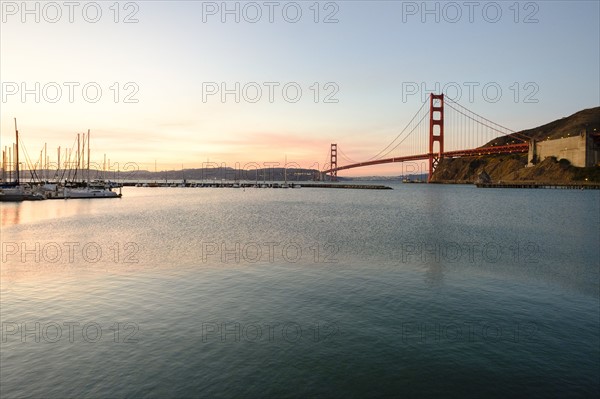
(189, 82)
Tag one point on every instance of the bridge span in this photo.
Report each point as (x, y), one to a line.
(466, 126)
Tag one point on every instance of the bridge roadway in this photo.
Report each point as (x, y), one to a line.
(504, 149)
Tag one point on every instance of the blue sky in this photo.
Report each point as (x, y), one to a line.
(376, 49)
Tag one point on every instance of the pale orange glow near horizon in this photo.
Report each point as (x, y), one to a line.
(182, 147)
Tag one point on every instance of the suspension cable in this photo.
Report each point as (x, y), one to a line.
(400, 134)
(513, 134)
(409, 133)
(347, 158)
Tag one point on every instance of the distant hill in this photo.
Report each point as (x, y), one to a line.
(131, 174)
(559, 128)
(225, 173)
(417, 177)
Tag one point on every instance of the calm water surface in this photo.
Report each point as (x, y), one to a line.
(425, 291)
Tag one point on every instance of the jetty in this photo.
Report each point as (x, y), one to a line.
(347, 186)
(229, 184)
(567, 186)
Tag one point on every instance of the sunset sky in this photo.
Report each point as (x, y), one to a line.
(177, 51)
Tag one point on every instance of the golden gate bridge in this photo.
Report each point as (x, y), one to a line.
(449, 127)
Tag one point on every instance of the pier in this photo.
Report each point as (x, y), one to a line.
(574, 186)
(261, 185)
(349, 186)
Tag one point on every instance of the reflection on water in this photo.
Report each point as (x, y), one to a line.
(422, 291)
(9, 213)
(435, 229)
(33, 211)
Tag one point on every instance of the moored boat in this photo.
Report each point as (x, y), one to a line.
(20, 193)
(89, 192)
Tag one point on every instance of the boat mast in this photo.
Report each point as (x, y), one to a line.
(41, 165)
(3, 164)
(57, 164)
(82, 158)
(78, 156)
(17, 151)
(68, 157)
(88, 156)
(285, 170)
(10, 161)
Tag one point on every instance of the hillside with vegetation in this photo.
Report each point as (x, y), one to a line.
(513, 167)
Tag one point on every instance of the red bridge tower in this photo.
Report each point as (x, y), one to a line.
(436, 118)
(333, 162)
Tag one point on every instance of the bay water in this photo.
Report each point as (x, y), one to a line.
(420, 291)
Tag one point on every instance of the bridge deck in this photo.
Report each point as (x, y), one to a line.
(505, 149)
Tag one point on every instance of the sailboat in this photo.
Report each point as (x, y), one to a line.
(20, 193)
(15, 191)
(92, 189)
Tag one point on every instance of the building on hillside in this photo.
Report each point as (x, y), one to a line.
(582, 150)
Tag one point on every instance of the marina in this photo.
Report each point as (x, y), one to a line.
(77, 183)
(65, 184)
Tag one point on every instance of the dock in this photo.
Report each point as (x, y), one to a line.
(348, 186)
(262, 185)
(574, 186)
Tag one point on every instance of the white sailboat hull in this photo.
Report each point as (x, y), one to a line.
(89, 193)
